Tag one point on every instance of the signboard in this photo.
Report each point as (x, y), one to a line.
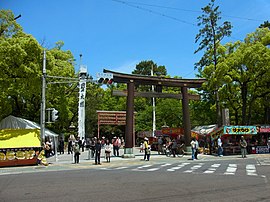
(262, 149)
(105, 75)
(240, 130)
(264, 129)
(176, 131)
(216, 133)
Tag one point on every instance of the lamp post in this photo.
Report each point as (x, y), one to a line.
(43, 100)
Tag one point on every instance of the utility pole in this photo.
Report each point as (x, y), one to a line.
(43, 100)
(154, 105)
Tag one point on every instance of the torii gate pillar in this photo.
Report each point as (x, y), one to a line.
(186, 117)
(129, 135)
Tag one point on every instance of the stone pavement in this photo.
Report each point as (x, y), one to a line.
(65, 161)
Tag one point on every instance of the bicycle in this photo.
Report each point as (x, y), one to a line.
(180, 152)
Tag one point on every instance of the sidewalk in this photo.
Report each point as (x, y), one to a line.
(65, 162)
(86, 158)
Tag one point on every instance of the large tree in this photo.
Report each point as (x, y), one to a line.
(210, 35)
(243, 70)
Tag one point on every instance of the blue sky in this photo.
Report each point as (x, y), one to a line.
(116, 36)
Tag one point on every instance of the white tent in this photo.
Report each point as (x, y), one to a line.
(204, 130)
(12, 122)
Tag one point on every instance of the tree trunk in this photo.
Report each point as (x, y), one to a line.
(244, 100)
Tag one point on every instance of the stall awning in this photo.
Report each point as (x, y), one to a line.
(19, 138)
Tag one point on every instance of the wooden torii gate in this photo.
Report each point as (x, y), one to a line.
(131, 80)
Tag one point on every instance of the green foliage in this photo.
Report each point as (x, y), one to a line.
(242, 75)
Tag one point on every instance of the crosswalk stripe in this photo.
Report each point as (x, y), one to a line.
(120, 168)
(167, 164)
(251, 170)
(231, 169)
(145, 166)
(212, 169)
(193, 168)
(152, 169)
(177, 167)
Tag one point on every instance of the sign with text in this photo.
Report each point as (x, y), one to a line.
(240, 130)
(264, 129)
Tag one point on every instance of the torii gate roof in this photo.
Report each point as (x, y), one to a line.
(155, 80)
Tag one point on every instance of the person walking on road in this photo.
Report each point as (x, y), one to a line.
(220, 149)
(97, 151)
(108, 149)
(243, 145)
(160, 144)
(76, 150)
(61, 146)
(146, 149)
(193, 148)
(196, 149)
(174, 147)
(115, 145)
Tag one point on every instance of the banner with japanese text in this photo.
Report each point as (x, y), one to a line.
(240, 130)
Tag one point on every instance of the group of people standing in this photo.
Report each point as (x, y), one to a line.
(242, 143)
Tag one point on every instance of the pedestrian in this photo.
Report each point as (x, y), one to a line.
(61, 146)
(69, 146)
(196, 149)
(174, 147)
(76, 149)
(116, 146)
(92, 147)
(220, 149)
(48, 148)
(243, 145)
(108, 149)
(97, 151)
(122, 142)
(83, 144)
(146, 149)
(160, 144)
(193, 145)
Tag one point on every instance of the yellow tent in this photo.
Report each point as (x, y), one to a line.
(19, 138)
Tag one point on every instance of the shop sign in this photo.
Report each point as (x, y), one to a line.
(264, 129)
(176, 131)
(262, 149)
(216, 133)
(240, 130)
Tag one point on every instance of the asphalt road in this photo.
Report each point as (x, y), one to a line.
(219, 180)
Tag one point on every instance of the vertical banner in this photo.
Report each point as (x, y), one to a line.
(81, 107)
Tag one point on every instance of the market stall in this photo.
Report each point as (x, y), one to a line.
(231, 138)
(19, 147)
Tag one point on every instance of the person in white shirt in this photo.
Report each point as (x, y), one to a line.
(193, 148)
(108, 149)
(220, 149)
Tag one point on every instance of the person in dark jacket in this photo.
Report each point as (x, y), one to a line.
(97, 151)
(61, 146)
(76, 150)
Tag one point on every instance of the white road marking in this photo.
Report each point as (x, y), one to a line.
(145, 166)
(167, 164)
(251, 170)
(120, 168)
(194, 168)
(152, 169)
(212, 169)
(231, 169)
